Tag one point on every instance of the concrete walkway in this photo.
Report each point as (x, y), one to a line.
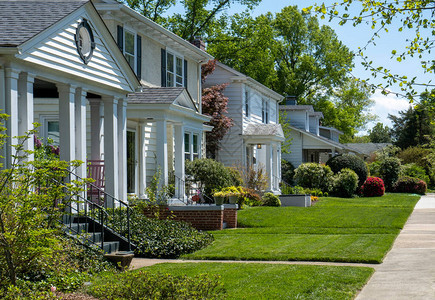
(408, 270)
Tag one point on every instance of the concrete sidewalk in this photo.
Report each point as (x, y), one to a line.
(408, 270)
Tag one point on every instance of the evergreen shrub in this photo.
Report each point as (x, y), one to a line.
(345, 183)
(287, 171)
(410, 185)
(373, 187)
(390, 171)
(413, 170)
(353, 162)
(313, 175)
(270, 199)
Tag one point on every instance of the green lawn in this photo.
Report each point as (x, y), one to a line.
(335, 229)
(271, 281)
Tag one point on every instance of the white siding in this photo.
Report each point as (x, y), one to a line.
(150, 151)
(314, 125)
(295, 157)
(58, 51)
(298, 119)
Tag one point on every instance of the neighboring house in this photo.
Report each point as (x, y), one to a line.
(255, 138)
(106, 84)
(366, 150)
(310, 142)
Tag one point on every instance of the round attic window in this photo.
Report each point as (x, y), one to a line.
(84, 41)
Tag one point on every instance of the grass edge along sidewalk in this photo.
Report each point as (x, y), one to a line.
(360, 230)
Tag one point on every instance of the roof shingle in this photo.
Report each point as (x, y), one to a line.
(163, 95)
(20, 20)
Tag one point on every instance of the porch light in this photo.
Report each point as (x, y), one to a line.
(259, 146)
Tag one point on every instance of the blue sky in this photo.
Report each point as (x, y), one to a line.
(354, 37)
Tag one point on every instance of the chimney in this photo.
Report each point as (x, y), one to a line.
(198, 42)
(290, 100)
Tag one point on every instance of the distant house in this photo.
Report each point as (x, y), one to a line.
(255, 138)
(310, 142)
(366, 150)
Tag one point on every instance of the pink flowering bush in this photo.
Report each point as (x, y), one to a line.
(410, 185)
(373, 187)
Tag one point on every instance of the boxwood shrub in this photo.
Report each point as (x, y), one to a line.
(353, 162)
(345, 183)
(410, 185)
(270, 199)
(373, 187)
(146, 285)
(313, 175)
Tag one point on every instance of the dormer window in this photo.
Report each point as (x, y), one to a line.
(246, 103)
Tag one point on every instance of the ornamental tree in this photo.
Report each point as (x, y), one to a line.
(214, 104)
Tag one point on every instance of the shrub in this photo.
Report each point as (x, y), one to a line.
(390, 171)
(145, 285)
(410, 185)
(211, 175)
(374, 169)
(373, 187)
(250, 198)
(270, 199)
(414, 154)
(353, 162)
(236, 177)
(345, 183)
(313, 175)
(253, 178)
(165, 238)
(413, 170)
(287, 171)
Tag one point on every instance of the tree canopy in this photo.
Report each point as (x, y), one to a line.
(416, 17)
(380, 134)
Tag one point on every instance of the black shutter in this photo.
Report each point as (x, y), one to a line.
(185, 74)
(121, 38)
(163, 67)
(139, 56)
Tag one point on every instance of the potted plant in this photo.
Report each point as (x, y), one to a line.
(219, 197)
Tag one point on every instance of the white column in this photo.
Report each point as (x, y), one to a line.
(97, 123)
(111, 146)
(200, 145)
(25, 109)
(80, 132)
(122, 148)
(179, 161)
(11, 108)
(66, 121)
(269, 165)
(162, 151)
(142, 161)
(278, 154)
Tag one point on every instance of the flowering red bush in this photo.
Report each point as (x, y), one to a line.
(410, 185)
(373, 187)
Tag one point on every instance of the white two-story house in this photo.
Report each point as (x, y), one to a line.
(255, 138)
(107, 86)
(310, 142)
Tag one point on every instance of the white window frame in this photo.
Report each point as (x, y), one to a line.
(136, 160)
(195, 152)
(247, 104)
(265, 111)
(44, 119)
(134, 33)
(189, 153)
(174, 72)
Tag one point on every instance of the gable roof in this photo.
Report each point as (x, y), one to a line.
(23, 19)
(161, 95)
(272, 131)
(367, 148)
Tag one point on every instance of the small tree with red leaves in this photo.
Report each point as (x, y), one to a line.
(214, 104)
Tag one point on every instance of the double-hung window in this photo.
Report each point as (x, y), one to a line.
(246, 103)
(195, 146)
(174, 70)
(130, 44)
(265, 111)
(186, 146)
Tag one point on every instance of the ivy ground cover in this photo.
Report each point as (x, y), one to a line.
(335, 229)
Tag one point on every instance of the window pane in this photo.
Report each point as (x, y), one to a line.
(130, 59)
(170, 79)
(195, 144)
(186, 143)
(170, 63)
(131, 162)
(129, 43)
(53, 132)
(179, 81)
(179, 66)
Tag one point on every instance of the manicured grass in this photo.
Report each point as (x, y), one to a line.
(273, 281)
(335, 229)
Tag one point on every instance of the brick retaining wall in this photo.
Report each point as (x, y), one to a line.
(201, 217)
